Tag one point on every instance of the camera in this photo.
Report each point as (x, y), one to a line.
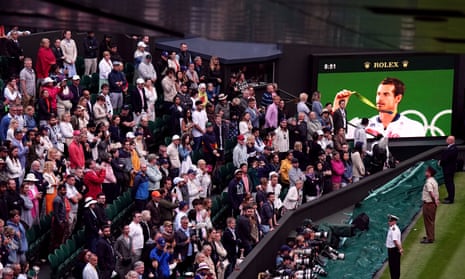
(319, 270)
(320, 235)
(303, 261)
(306, 251)
(333, 253)
(305, 274)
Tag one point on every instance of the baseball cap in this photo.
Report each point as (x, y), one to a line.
(76, 77)
(156, 194)
(141, 44)
(161, 241)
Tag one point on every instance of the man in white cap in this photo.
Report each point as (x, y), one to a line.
(139, 99)
(118, 85)
(394, 246)
(173, 155)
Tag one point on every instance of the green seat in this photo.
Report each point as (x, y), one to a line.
(53, 260)
(81, 238)
(31, 235)
(45, 223)
(61, 254)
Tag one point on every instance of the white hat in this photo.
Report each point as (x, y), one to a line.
(76, 77)
(273, 173)
(203, 266)
(130, 135)
(140, 81)
(202, 85)
(30, 177)
(116, 63)
(175, 137)
(89, 201)
(320, 132)
(47, 80)
(176, 180)
(141, 44)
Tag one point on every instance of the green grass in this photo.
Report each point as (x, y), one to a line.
(444, 258)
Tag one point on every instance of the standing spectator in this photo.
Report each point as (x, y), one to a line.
(214, 74)
(153, 173)
(267, 213)
(90, 53)
(26, 213)
(152, 97)
(184, 56)
(173, 155)
(60, 221)
(137, 235)
(448, 163)
(302, 104)
(76, 152)
(184, 249)
(146, 69)
(27, 79)
(340, 139)
(99, 210)
(153, 207)
(236, 192)
(74, 197)
(240, 152)
(244, 229)
(19, 234)
(91, 224)
(268, 97)
(118, 85)
(347, 177)
(326, 120)
(105, 44)
(295, 173)
(124, 252)
(294, 196)
(13, 165)
(68, 45)
(358, 167)
(317, 107)
(12, 197)
(106, 254)
(15, 53)
(90, 270)
(274, 187)
(140, 189)
(340, 116)
(281, 140)
(192, 76)
(45, 60)
(337, 170)
(271, 116)
(313, 125)
(93, 178)
(58, 52)
(169, 88)
(200, 119)
(230, 242)
(360, 135)
(255, 113)
(104, 67)
(163, 256)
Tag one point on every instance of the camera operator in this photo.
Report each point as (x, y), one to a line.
(284, 251)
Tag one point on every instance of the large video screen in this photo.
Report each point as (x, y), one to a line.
(424, 108)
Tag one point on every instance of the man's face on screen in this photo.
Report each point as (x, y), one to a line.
(385, 99)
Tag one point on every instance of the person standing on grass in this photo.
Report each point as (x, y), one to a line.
(448, 163)
(430, 197)
(394, 246)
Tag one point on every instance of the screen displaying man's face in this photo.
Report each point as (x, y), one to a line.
(386, 99)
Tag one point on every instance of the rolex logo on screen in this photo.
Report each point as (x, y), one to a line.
(367, 65)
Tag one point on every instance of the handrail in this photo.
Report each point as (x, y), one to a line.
(319, 209)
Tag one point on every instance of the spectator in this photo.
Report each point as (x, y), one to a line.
(236, 191)
(337, 170)
(360, 135)
(45, 59)
(294, 196)
(274, 187)
(163, 257)
(240, 152)
(106, 254)
(140, 188)
(90, 270)
(199, 118)
(60, 223)
(184, 249)
(124, 252)
(118, 85)
(137, 236)
(93, 178)
(90, 53)
(173, 154)
(271, 116)
(68, 45)
(244, 230)
(358, 167)
(295, 173)
(91, 224)
(281, 140)
(19, 235)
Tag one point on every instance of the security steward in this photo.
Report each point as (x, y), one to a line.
(394, 246)
(430, 197)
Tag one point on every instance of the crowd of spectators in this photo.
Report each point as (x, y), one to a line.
(64, 154)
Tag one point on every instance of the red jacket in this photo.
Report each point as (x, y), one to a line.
(45, 59)
(93, 181)
(76, 155)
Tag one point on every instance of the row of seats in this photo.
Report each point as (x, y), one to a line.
(63, 259)
(37, 236)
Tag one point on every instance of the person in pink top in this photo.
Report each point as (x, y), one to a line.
(337, 170)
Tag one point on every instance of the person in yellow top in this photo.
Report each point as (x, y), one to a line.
(202, 96)
(135, 160)
(286, 165)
